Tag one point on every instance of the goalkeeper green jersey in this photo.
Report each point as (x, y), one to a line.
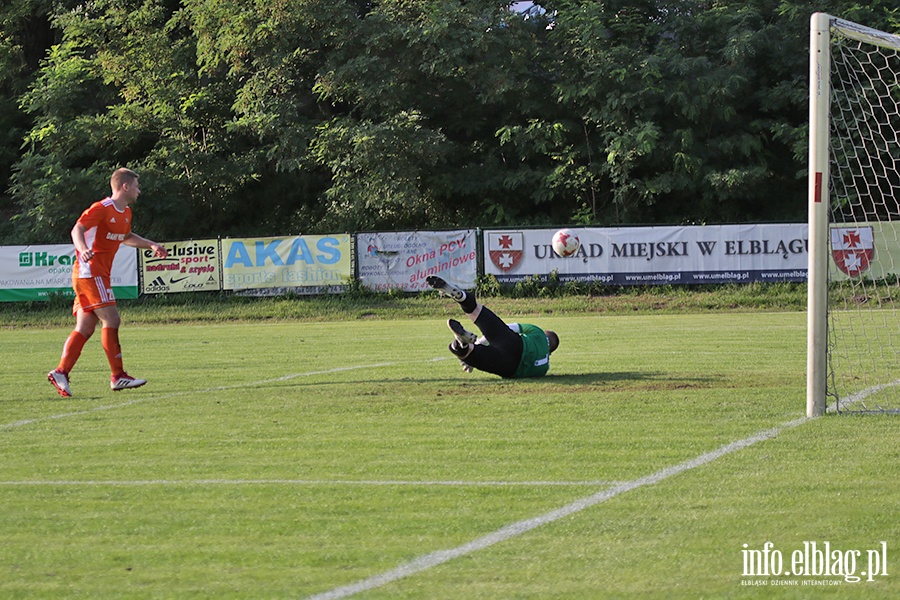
(535, 360)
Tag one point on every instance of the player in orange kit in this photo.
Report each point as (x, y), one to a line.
(97, 235)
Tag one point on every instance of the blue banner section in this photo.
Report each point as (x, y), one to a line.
(673, 278)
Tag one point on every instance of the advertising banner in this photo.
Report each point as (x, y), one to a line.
(866, 250)
(309, 264)
(402, 261)
(191, 266)
(654, 255)
(38, 272)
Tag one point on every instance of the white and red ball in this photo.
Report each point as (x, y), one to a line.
(565, 242)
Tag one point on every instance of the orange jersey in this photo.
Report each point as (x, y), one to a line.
(105, 229)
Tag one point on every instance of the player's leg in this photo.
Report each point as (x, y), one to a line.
(492, 326)
(86, 294)
(466, 299)
(109, 336)
(85, 323)
(491, 359)
(497, 332)
(470, 305)
(484, 357)
(503, 351)
(462, 335)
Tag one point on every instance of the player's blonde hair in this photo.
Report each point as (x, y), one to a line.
(122, 176)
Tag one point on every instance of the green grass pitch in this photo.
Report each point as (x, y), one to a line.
(293, 459)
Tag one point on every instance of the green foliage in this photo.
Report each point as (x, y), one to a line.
(529, 287)
(487, 286)
(265, 118)
(378, 172)
(682, 126)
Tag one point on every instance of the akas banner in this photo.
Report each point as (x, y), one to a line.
(307, 264)
(402, 261)
(38, 272)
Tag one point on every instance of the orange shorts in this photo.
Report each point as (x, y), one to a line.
(91, 293)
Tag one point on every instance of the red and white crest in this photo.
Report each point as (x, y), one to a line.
(506, 249)
(852, 249)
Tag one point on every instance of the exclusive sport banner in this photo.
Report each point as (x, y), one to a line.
(190, 266)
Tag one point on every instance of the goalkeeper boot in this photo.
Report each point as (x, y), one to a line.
(446, 289)
(459, 332)
(460, 350)
(124, 381)
(466, 300)
(60, 381)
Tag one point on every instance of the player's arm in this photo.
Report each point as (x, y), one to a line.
(136, 241)
(81, 246)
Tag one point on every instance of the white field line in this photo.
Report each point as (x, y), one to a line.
(300, 482)
(220, 388)
(860, 396)
(439, 557)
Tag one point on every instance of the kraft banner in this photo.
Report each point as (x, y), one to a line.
(39, 272)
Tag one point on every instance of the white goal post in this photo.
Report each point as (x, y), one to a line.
(853, 329)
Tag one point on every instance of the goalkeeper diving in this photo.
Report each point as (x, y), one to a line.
(509, 350)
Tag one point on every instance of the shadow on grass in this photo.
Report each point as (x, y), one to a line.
(601, 381)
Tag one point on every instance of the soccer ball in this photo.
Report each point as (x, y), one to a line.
(565, 242)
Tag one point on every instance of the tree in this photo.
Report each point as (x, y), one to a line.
(288, 116)
(124, 87)
(25, 34)
(670, 112)
(418, 91)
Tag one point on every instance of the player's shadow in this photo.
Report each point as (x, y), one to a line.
(637, 378)
(600, 380)
(600, 377)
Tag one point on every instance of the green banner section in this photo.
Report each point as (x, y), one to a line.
(44, 271)
(42, 294)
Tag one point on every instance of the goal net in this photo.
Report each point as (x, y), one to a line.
(853, 346)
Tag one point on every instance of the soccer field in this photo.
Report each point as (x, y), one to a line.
(356, 459)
